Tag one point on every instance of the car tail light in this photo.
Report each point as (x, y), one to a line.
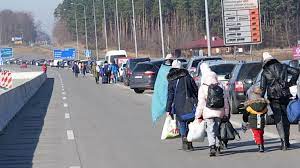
(239, 86)
(149, 73)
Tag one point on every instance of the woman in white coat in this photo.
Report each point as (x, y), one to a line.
(212, 116)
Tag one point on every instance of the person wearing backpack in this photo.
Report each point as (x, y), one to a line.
(212, 106)
(255, 115)
(182, 100)
(274, 81)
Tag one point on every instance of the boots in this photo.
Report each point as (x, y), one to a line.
(190, 146)
(184, 144)
(261, 148)
(287, 142)
(284, 145)
(212, 151)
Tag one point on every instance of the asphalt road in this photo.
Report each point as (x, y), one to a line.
(112, 128)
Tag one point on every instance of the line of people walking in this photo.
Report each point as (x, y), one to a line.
(109, 73)
(177, 96)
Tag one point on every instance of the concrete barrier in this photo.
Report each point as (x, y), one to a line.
(12, 101)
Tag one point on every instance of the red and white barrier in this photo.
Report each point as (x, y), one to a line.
(6, 80)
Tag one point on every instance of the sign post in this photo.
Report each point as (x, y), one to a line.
(68, 53)
(241, 22)
(6, 53)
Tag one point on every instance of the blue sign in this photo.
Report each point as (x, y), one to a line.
(68, 53)
(6, 53)
(88, 53)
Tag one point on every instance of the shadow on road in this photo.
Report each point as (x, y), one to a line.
(19, 140)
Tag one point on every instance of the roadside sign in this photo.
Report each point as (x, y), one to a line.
(88, 53)
(1, 61)
(68, 53)
(241, 22)
(6, 53)
(296, 52)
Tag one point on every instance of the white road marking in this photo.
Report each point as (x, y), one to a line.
(64, 98)
(67, 116)
(65, 105)
(70, 135)
(147, 94)
(75, 167)
(63, 93)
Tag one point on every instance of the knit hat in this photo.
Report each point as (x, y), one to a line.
(176, 64)
(169, 56)
(204, 67)
(267, 56)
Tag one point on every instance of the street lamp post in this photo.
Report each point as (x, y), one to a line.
(76, 26)
(85, 24)
(118, 28)
(134, 29)
(207, 29)
(161, 30)
(104, 21)
(95, 23)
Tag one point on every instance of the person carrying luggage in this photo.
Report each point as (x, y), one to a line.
(274, 81)
(212, 107)
(114, 71)
(182, 100)
(255, 115)
(106, 73)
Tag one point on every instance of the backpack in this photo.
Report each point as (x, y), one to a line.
(279, 87)
(215, 96)
(293, 111)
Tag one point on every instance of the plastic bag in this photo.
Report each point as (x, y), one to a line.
(197, 131)
(170, 129)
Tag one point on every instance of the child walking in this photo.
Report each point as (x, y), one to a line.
(254, 116)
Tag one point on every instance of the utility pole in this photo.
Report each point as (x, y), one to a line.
(161, 30)
(76, 24)
(134, 30)
(207, 29)
(118, 28)
(104, 21)
(96, 37)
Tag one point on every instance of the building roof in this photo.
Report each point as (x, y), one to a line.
(202, 43)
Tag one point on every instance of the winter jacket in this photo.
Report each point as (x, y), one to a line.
(179, 79)
(272, 71)
(160, 95)
(209, 77)
(255, 113)
(114, 68)
(94, 71)
(76, 68)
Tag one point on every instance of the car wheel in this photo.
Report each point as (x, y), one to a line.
(139, 91)
(233, 107)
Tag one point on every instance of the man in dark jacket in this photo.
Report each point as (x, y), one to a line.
(274, 81)
(182, 100)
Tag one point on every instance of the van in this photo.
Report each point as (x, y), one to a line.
(114, 54)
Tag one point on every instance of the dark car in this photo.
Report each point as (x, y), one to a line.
(241, 79)
(144, 75)
(130, 65)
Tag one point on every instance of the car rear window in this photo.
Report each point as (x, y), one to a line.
(158, 64)
(223, 69)
(133, 63)
(249, 71)
(143, 67)
(197, 61)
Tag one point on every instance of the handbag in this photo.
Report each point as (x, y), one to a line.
(170, 129)
(227, 132)
(189, 105)
(197, 131)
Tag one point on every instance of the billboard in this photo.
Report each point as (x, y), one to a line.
(68, 53)
(6, 53)
(241, 22)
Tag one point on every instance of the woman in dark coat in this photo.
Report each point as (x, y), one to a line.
(182, 100)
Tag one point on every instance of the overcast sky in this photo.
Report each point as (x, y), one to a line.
(42, 10)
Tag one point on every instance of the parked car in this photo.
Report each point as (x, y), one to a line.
(241, 79)
(144, 75)
(23, 64)
(130, 65)
(194, 61)
(221, 68)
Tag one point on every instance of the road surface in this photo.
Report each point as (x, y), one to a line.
(76, 123)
